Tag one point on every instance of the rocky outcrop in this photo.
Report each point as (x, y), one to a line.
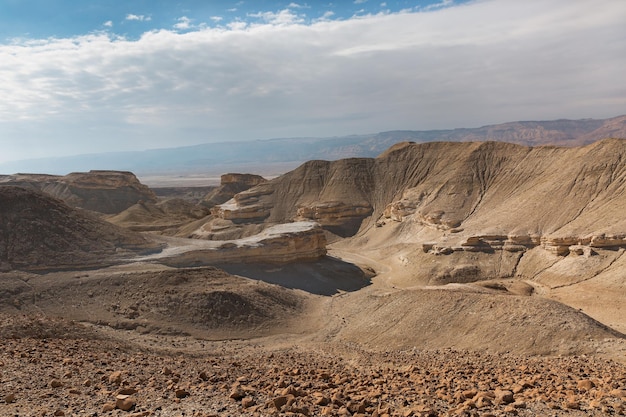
(245, 207)
(284, 243)
(38, 232)
(561, 246)
(336, 216)
(108, 192)
(509, 196)
(231, 184)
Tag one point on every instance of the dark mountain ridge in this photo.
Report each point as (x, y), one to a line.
(285, 154)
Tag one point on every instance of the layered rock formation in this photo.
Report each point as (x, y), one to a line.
(231, 184)
(473, 195)
(108, 192)
(333, 194)
(284, 243)
(40, 232)
(505, 210)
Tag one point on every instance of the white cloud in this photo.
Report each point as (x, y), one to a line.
(441, 4)
(282, 17)
(184, 23)
(326, 16)
(359, 1)
(140, 17)
(217, 18)
(108, 24)
(483, 62)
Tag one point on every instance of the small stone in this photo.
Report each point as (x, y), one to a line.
(290, 390)
(470, 393)
(320, 399)
(181, 393)
(585, 384)
(247, 402)
(115, 378)
(59, 413)
(280, 401)
(108, 407)
(503, 396)
(9, 398)
(124, 402)
(519, 404)
(55, 383)
(127, 391)
(237, 393)
(483, 402)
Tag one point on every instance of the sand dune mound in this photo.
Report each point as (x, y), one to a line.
(468, 319)
(38, 232)
(165, 217)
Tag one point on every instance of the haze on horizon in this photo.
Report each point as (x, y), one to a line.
(139, 75)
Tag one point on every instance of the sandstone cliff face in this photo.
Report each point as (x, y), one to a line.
(481, 196)
(338, 217)
(40, 232)
(283, 243)
(334, 194)
(231, 184)
(106, 192)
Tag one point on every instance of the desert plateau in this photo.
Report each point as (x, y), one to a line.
(474, 278)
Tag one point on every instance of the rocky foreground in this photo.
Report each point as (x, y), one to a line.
(60, 369)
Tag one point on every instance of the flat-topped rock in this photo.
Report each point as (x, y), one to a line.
(106, 192)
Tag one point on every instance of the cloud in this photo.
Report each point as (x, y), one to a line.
(326, 16)
(359, 1)
(282, 17)
(184, 23)
(217, 18)
(108, 24)
(466, 65)
(140, 18)
(441, 4)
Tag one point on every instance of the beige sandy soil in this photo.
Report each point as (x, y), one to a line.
(201, 342)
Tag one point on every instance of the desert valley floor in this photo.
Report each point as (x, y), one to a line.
(490, 282)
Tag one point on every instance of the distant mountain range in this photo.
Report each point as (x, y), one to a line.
(285, 154)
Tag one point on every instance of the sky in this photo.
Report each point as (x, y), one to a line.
(94, 76)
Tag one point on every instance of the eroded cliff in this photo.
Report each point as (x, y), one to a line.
(108, 192)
